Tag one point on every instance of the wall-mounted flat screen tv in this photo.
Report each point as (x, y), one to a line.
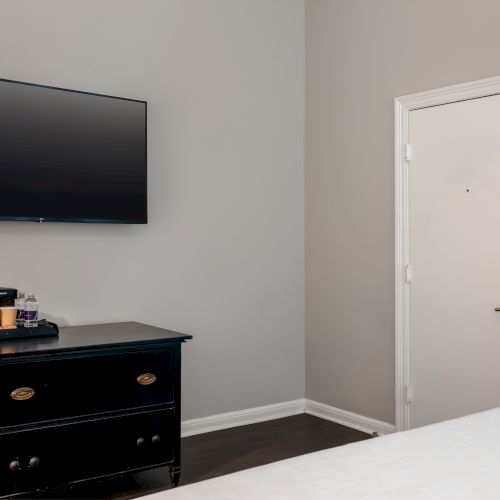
(71, 156)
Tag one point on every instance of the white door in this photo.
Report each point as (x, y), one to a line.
(454, 231)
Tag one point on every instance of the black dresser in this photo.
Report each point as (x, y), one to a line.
(97, 401)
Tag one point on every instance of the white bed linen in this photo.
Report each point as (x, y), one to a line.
(458, 459)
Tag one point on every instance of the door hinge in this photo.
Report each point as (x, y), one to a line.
(408, 152)
(408, 273)
(409, 393)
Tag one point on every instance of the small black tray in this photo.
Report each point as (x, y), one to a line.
(44, 329)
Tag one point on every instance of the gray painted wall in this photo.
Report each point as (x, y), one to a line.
(222, 257)
(360, 54)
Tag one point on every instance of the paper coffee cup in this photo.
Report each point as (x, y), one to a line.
(8, 316)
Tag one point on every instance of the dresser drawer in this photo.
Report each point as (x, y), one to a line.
(43, 390)
(85, 450)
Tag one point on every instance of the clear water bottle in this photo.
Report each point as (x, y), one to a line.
(31, 311)
(19, 305)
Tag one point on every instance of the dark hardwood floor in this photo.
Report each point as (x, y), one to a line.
(230, 450)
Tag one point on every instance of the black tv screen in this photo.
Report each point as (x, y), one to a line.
(71, 156)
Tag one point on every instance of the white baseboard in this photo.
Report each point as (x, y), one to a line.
(280, 410)
(241, 417)
(347, 418)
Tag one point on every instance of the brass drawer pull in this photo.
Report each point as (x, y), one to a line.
(146, 379)
(22, 393)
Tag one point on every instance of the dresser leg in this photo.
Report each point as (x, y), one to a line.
(175, 475)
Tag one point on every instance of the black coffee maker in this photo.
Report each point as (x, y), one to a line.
(7, 297)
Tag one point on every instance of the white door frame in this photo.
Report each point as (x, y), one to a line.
(402, 107)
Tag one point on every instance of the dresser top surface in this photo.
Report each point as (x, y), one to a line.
(76, 338)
